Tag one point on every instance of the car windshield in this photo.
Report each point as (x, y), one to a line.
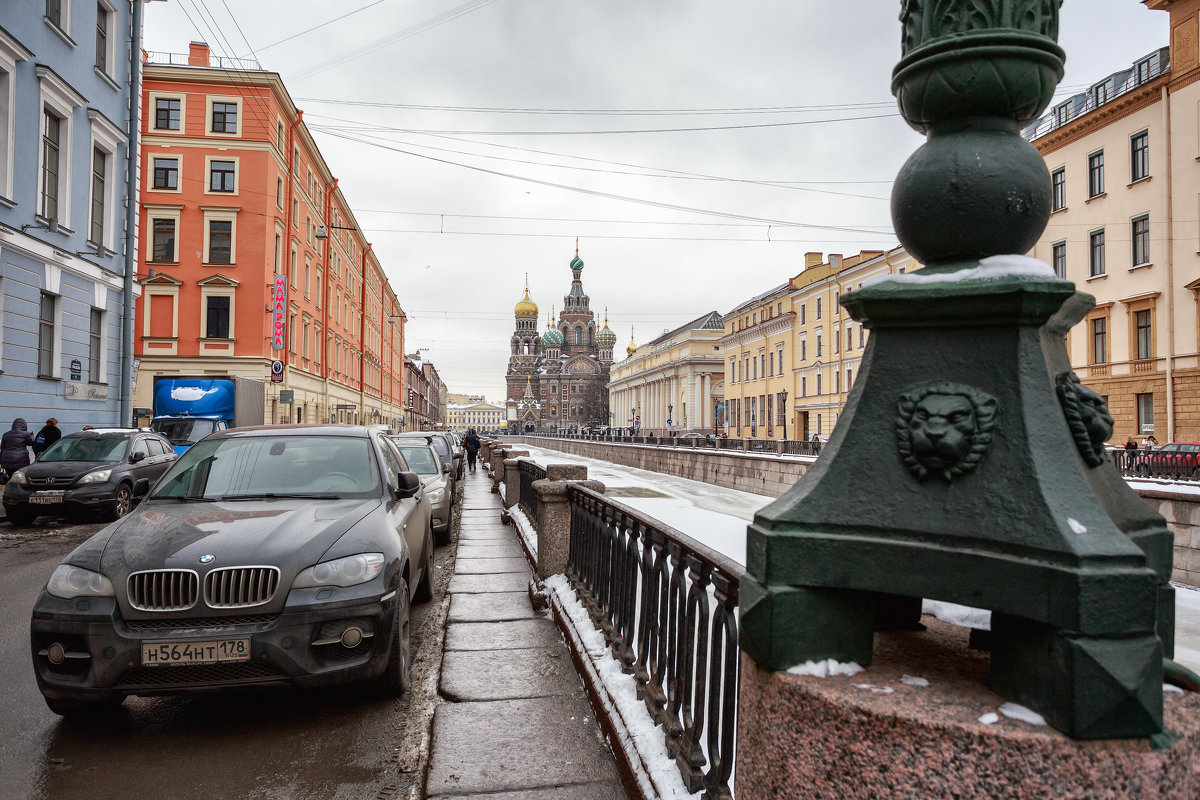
(86, 448)
(421, 460)
(187, 430)
(251, 467)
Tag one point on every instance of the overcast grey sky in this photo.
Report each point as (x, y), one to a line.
(696, 148)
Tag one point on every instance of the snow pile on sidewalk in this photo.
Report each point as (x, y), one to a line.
(525, 529)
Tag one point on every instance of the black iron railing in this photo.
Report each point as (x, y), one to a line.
(1174, 466)
(667, 606)
(528, 501)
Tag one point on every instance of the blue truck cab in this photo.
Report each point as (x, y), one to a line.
(188, 408)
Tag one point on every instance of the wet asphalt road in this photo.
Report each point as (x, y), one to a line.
(271, 745)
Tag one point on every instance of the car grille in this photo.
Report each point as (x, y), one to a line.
(256, 620)
(163, 590)
(200, 674)
(53, 483)
(239, 587)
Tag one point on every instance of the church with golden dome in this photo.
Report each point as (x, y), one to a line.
(559, 378)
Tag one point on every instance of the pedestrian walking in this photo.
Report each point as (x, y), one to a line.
(14, 447)
(48, 435)
(472, 444)
(1130, 445)
(816, 443)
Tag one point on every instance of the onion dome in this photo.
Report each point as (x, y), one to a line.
(526, 307)
(553, 336)
(576, 262)
(632, 345)
(606, 338)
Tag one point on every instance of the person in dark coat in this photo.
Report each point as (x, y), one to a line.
(472, 444)
(48, 435)
(13, 446)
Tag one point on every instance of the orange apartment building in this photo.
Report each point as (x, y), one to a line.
(238, 203)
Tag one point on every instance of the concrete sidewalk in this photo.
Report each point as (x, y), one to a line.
(517, 724)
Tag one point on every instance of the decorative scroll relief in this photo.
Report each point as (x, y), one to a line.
(1087, 416)
(923, 21)
(944, 428)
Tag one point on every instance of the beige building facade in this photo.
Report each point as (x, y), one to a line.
(674, 384)
(1124, 228)
(482, 416)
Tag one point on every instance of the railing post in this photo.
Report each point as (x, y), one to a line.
(512, 477)
(553, 523)
(498, 455)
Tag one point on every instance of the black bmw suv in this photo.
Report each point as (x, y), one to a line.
(105, 470)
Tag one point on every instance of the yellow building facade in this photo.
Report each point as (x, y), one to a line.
(480, 415)
(674, 384)
(792, 353)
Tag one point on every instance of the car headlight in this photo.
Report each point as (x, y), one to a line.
(69, 581)
(18, 477)
(99, 476)
(348, 571)
(437, 495)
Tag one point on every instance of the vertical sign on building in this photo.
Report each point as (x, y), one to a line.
(279, 313)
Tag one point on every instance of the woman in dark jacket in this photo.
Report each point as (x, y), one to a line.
(48, 435)
(13, 452)
(472, 445)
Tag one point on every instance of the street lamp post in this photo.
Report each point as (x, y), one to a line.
(669, 409)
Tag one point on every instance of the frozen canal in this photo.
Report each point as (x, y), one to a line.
(718, 517)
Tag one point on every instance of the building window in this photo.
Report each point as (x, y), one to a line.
(54, 12)
(1096, 174)
(1100, 340)
(803, 350)
(1096, 239)
(51, 141)
(104, 23)
(1145, 412)
(1139, 156)
(818, 383)
(221, 176)
(1145, 338)
(220, 241)
(95, 344)
(217, 317)
(1060, 259)
(166, 173)
(803, 386)
(164, 240)
(818, 308)
(1058, 182)
(99, 164)
(819, 348)
(46, 335)
(802, 313)
(1141, 240)
(279, 134)
(224, 117)
(166, 113)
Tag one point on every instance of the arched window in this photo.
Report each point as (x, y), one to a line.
(579, 335)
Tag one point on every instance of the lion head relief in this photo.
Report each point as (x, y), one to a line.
(944, 428)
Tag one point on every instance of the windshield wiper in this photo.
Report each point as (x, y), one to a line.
(281, 496)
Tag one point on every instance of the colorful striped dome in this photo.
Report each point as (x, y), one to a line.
(552, 338)
(606, 338)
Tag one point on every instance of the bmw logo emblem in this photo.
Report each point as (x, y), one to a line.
(207, 558)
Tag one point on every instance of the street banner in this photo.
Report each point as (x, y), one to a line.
(279, 313)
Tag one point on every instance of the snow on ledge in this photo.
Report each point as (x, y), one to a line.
(642, 738)
(824, 669)
(989, 269)
(525, 529)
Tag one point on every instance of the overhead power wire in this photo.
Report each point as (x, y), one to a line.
(657, 173)
(631, 112)
(609, 195)
(316, 27)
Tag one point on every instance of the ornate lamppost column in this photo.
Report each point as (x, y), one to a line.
(969, 464)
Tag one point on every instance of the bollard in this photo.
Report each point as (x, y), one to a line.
(512, 477)
(553, 523)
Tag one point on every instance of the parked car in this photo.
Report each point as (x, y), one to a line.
(1172, 460)
(423, 459)
(444, 451)
(106, 470)
(276, 555)
(456, 450)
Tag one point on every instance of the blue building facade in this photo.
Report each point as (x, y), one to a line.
(65, 111)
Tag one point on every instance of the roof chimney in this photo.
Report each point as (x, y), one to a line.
(812, 260)
(198, 54)
(835, 261)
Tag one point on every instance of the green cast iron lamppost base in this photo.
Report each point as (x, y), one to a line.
(993, 489)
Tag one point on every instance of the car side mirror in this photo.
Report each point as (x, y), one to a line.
(408, 484)
(136, 457)
(446, 468)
